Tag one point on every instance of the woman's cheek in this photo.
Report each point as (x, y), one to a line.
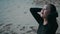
(45, 12)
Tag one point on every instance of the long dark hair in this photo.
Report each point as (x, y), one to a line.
(53, 14)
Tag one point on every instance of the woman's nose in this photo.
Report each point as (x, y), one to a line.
(42, 11)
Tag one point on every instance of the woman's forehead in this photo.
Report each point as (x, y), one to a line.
(46, 7)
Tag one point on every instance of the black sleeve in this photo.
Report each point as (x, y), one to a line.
(35, 15)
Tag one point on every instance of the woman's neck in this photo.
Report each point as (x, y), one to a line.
(45, 22)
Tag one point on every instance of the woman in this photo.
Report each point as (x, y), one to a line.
(46, 17)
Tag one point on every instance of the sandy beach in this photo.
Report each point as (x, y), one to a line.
(15, 17)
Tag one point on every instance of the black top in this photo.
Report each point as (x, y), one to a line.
(35, 15)
(50, 28)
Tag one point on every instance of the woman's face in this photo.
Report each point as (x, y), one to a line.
(45, 11)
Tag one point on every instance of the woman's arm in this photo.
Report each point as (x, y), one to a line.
(35, 15)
